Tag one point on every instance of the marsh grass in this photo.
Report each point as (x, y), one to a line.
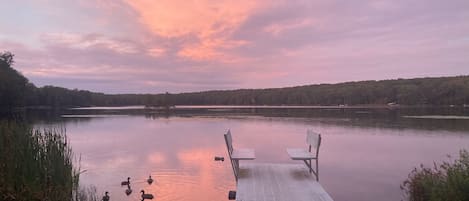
(35, 164)
(446, 181)
(87, 193)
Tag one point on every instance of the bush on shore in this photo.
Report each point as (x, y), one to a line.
(446, 181)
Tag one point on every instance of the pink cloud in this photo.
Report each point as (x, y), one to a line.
(90, 41)
(156, 51)
(210, 22)
(128, 46)
(277, 28)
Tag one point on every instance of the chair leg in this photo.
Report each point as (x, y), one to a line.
(235, 166)
(317, 169)
(237, 169)
(308, 165)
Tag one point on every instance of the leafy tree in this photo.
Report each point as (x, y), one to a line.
(15, 90)
(13, 85)
(7, 57)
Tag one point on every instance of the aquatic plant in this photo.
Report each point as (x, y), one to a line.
(87, 193)
(36, 165)
(446, 181)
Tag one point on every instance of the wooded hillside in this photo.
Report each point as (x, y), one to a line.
(15, 90)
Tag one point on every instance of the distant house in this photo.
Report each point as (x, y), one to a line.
(393, 104)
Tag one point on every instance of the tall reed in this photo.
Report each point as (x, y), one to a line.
(36, 165)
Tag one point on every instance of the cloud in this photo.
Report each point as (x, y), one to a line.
(156, 52)
(124, 46)
(99, 63)
(90, 41)
(210, 23)
(277, 28)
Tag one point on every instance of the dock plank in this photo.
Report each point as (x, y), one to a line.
(278, 182)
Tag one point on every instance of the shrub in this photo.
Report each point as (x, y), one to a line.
(446, 181)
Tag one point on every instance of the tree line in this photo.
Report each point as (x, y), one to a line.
(419, 91)
(17, 91)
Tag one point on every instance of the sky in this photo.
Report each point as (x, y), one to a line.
(155, 46)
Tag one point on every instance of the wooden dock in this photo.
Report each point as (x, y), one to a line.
(278, 182)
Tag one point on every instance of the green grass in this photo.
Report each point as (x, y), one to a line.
(36, 165)
(446, 181)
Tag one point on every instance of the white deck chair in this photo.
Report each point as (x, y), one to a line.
(314, 141)
(237, 154)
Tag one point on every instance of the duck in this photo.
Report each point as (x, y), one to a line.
(126, 182)
(128, 191)
(106, 196)
(146, 196)
(150, 180)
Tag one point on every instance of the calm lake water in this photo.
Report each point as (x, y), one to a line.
(366, 153)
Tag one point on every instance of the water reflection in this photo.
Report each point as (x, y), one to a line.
(178, 154)
(358, 161)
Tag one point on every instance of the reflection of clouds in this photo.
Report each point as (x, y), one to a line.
(201, 178)
(123, 161)
(156, 158)
(196, 177)
(178, 152)
(193, 156)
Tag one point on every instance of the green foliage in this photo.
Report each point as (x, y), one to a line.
(87, 194)
(420, 91)
(15, 90)
(431, 91)
(7, 57)
(13, 85)
(164, 101)
(448, 181)
(35, 165)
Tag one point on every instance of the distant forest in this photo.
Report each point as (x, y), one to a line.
(17, 91)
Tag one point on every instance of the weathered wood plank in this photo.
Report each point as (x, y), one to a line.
(278, 182)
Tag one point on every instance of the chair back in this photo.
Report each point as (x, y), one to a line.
(229, 142)
(229, 147)
(313, 139)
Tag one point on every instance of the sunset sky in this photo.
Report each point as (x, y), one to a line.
(153, 46)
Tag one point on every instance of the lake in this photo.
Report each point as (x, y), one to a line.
(366, 153)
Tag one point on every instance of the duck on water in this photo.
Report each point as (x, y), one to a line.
(149, 180)
(146, 196)
(106, 197)
(124, 183)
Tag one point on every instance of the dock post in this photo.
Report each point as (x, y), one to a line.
(232, 195)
